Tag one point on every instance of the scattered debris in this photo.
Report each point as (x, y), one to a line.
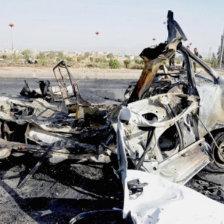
(44, 91)
(169, 124)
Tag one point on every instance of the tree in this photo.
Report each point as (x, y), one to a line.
(42, 59)
(127, 63)
(214, 61)
(27, 54)
(114, 64)
(110, 56)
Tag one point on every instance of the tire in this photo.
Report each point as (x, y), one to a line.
(218, 154)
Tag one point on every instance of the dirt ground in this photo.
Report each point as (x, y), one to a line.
(82, 73)
(78, 73)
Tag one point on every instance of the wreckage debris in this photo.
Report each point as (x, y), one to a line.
(168, 129)
(73, 97)
(44, 89)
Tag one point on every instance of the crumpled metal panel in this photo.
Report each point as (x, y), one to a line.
(178, 164)
(152, 199)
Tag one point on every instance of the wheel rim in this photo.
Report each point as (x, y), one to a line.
(221, 151)
(219, 154)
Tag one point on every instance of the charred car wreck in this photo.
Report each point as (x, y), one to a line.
(170, 126)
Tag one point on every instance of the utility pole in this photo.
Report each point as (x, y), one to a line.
(221, 50)
(12, 25)
(210, 54)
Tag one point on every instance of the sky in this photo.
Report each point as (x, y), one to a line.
(123, 25)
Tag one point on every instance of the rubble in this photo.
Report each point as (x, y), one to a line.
(168, 129)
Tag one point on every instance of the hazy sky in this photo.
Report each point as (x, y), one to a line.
(124, 25)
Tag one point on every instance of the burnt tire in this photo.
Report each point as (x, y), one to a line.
(218, 154)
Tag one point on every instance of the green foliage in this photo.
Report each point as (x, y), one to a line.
(114, 64)
(100, 60)
(139, 61)
(68, 59)
(27, 54)
(52, 55)
(214, 61)
(207, 60)
(110, 56)
(43, 62)
(61, 56)
(41, 55)
(127, 62)
(103, 66)
(80, 58)
(15, 57)
(42, 59)
(137, 66)
(90, 65)
(50, 58)
(97, 60)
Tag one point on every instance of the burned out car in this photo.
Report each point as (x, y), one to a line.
(173, 119)
(172, 127)
(169, 127)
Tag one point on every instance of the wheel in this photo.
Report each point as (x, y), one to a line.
(218, 154)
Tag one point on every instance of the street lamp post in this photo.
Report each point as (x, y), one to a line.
(97, 34)
(12, 25)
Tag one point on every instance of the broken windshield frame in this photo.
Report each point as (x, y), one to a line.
(200, 62)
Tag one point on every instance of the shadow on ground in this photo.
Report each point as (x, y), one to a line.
(57, 193)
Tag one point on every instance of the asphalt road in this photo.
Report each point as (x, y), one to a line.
(95, 90)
